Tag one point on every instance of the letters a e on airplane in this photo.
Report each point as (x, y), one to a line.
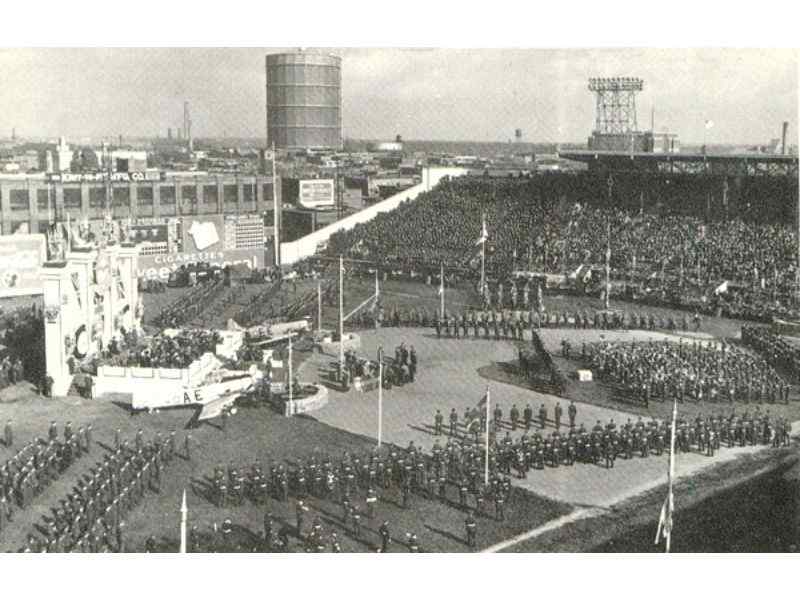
(210, 397)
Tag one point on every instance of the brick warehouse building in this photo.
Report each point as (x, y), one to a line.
(33, 201)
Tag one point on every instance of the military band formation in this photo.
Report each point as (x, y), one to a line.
(696, 372)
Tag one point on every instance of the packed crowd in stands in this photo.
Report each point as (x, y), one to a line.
(696, 372)
(676, 259)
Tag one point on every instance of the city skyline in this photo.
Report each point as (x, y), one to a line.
(421, 94)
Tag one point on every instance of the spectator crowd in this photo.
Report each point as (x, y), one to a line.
(670, 257)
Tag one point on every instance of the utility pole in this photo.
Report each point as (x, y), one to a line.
(380, 396)
(319, 306)
(606, 302)
(341, 316)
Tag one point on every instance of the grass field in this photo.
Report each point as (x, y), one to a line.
(251, 434)
(459, 371)
(744, 505)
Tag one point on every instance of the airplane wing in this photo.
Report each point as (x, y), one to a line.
(215, 407)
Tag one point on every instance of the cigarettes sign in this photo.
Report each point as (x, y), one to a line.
(159, 266)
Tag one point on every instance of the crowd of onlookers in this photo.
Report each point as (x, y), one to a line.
(662, 257)
(22, 350)
(162, 351)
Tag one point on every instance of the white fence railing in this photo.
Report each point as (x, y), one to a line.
(306, 246)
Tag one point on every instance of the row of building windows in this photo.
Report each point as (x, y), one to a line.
(45, 199)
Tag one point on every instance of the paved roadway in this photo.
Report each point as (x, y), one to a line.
(448, 377)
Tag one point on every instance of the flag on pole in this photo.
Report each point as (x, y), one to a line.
(665, 520)
(184, 510)
(664, 530)
(484, 233)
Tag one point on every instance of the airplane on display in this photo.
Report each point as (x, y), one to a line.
(210, 391)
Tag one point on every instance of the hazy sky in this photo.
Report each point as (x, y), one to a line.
(434, 94)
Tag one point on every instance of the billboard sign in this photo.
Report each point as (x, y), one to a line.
(159, 266)
(21, 260)
(203, 233)
(316, 193)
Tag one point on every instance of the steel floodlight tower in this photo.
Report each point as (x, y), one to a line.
(616, 103)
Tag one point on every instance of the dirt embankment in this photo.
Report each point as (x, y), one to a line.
(751, 504)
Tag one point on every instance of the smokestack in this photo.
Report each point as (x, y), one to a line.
(187, 124)
(783, 137)
(120, 140)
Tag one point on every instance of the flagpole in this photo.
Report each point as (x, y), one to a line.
(483, 252)
(290, 371)
(341, 313)
(486, 460)
(319, 305)
(671, 474)
(184, 511)
(380, 396)
(606, 302)
(441, 290)
(375, 307)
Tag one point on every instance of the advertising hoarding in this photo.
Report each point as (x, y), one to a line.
(203, 233)
(159, 266)
(316, 193)
(21, 260)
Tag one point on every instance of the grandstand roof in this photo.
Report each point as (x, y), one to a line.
(751, 164)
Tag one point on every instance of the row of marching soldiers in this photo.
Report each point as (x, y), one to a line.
(511, 324)
(603, 444)
(499, 325)
(36, 465)
(355, 480)
(90, 518)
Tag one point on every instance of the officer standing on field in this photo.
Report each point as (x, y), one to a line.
(471, 527)
(386, 537)
(572, 411)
